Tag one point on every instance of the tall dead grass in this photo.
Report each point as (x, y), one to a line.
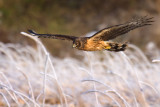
(32, 77)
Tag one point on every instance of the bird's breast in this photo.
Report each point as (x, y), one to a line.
(91, 45)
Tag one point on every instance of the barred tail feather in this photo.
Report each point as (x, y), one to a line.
(116, 47)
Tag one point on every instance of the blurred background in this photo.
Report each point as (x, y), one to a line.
(124, 77)
(75, 17)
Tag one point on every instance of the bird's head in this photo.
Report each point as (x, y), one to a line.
(77, 43)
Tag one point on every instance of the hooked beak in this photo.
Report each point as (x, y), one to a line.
(74, 45)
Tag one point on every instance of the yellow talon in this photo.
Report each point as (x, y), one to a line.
(108, 47)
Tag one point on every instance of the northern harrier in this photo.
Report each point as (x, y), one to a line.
(99, 41)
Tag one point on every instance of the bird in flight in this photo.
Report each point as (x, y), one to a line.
(100, 40)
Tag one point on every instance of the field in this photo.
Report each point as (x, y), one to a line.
(32, 77)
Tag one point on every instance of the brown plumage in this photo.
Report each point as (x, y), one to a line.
(99, 41)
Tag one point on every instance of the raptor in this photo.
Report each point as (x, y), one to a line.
(100, 40)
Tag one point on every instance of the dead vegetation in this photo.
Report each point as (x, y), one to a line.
(31, 77)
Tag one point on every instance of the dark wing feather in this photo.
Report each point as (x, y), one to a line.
(117, 30)
(53, 36)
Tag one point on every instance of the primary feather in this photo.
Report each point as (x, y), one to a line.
(117, 30)
(53, 36)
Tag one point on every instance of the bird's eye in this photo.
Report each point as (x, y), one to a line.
(78, 44)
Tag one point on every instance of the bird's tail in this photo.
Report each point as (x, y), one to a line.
(116, 47)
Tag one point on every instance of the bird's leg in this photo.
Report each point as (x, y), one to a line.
(111, 46)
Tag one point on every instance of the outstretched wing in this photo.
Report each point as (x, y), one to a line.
(117, 30)
(53, 36)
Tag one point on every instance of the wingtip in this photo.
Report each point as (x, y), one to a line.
(146, 20)
(31, 31)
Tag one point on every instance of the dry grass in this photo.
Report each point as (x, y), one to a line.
(31, 77)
